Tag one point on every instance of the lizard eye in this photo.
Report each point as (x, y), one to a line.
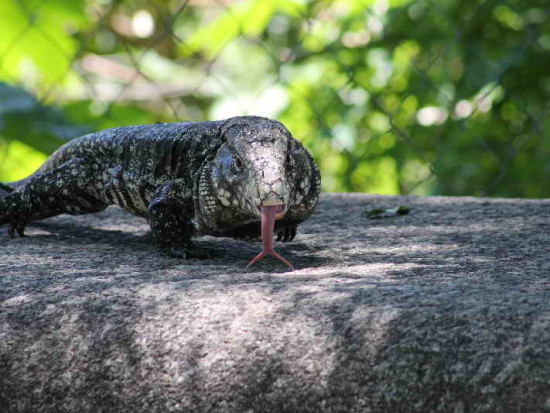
(238, 163)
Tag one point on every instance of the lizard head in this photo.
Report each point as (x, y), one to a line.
(249, 169)
(255, 175)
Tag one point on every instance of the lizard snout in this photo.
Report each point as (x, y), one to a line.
(273, 193)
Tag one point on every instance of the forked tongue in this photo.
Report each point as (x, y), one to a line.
(269, 214)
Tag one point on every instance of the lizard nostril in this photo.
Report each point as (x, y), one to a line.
(278, 187)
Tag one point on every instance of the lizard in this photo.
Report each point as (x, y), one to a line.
(242, 177)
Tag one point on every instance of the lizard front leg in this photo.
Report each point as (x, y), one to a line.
(169, 218)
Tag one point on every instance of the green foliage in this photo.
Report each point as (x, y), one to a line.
(29, 129)
(33, 39)
(423, 97)
(25, 119)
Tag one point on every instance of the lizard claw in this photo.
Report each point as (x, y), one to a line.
(288, 233)
(19, 229)
(14, 216)
(16, 227)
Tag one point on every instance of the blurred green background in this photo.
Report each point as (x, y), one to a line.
(445, 97)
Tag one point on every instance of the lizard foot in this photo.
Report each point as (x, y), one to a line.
(16, 222)
(18, 228)
(287, 233)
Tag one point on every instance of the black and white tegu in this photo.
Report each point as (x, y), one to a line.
(242, 177)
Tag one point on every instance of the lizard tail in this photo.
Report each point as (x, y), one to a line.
(7, 205)
(8, 188)
(5, 189)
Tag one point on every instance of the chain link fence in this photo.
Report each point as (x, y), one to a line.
(396, 97)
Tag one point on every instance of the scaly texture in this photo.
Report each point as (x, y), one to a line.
(210, 177)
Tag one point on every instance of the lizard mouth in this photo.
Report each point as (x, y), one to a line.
(270, 213)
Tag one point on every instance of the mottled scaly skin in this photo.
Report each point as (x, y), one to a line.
(207, 177)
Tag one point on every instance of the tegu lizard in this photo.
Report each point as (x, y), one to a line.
(242, 177)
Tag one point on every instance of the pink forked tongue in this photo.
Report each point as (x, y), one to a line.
(269, 215)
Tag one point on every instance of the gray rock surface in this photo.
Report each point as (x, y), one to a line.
(446, 309)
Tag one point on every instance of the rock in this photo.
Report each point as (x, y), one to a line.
(446, 309)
